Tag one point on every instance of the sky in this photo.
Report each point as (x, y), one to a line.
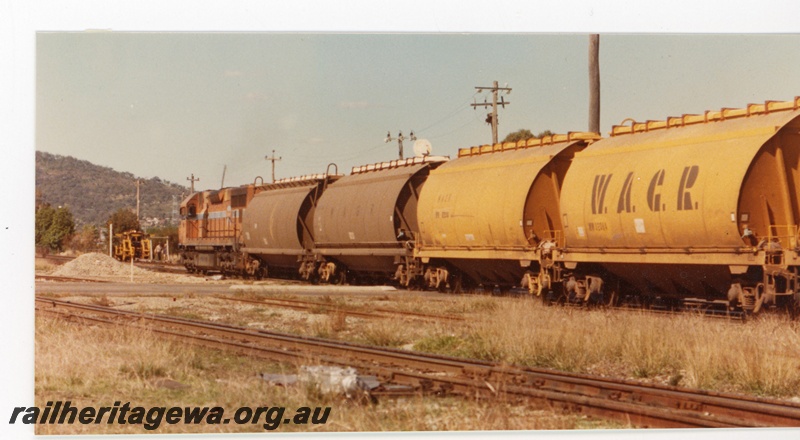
(241, 78)
(172, 105)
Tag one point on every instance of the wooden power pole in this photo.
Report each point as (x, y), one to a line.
(594, 83)
(193, 180)
(491, 118)
(273, 159)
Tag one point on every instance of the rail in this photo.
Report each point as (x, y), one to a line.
(372, 312)
(631, 402)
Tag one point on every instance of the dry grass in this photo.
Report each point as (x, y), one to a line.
(43, 267)
(760, 357)
(102, 301)
(91, 365)
(387, 333)
(329, 324)
(98, 366)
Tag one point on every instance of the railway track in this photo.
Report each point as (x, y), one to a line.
(159, 266)
(68, 279)
(698, 309)
(371, 313)
(54, 258)
(641, 405)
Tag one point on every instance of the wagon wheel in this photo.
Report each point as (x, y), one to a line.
(794, 305)
(457, 283)
(531, 282)
(759, 293)
(607, 299)
(562, 297)
(735, 296)
(556, 295)
(441, 282)
(544, 283)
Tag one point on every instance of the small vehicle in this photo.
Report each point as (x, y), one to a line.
(133, 244)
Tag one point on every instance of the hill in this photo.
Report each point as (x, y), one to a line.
(94, 192)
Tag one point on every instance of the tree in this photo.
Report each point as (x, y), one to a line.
(86, 240)
(39, 199)
(53, 227)
(519, 135)
(123, 220)
(525, 134)
(44, 218)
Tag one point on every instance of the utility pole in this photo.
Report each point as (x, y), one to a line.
(594, 83)
(491, 118)
(193, 181)
(225, 168)
(273, 159)
(400, 138)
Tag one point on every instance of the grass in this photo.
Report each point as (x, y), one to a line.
(96, 366)
(761, 357)
(386, 333)
(102, 301)
(43, 267)
(478, 304)
(329, 325)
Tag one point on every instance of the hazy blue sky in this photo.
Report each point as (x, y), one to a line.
(173, 104)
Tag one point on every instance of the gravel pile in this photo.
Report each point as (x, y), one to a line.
(97, 265)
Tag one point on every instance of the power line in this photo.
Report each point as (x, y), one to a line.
(461, 107)
(469, 122)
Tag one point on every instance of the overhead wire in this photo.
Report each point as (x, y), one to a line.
(474, 119)
(461, 107)
(295, 158)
